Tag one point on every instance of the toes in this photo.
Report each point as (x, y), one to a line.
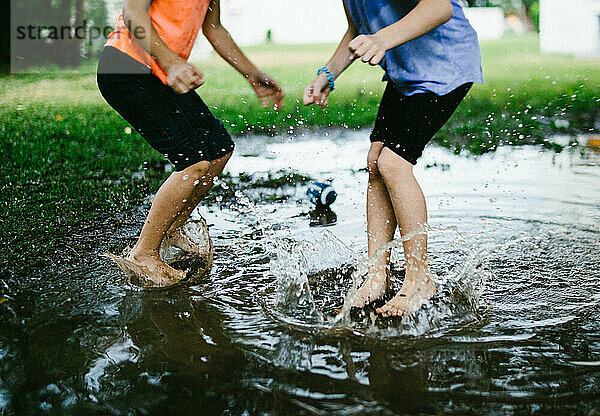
(390, 310)
(361, 303)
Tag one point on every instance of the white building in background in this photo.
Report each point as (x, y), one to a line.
(570, 26)
(488, 22)
(299, 22)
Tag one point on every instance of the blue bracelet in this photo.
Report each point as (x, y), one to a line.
(325, 70)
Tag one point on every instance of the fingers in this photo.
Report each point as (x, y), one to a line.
(187, 80)
(199, 78)
(317, 93)
(312, 94)
(177, 87)
(277, 96)
(268, 89)
(277, 100)
(360, 45)
(317, 96)
(366, 48)
(357, 42)
(323, 99)
(308, 98)
(362, 49)
(368, 55)
(375, 60)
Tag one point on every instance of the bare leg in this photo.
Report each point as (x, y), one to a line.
(411, 213)
(381, 225)
(202, 189)
(173, 203)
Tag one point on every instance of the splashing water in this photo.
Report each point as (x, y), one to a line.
(513, 242)
(312, 277)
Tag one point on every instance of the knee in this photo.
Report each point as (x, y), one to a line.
(217, 166)
(372, 168)
(226, 158)
(391, 165)
(197, 171)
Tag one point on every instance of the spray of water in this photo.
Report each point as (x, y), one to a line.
(297, 266)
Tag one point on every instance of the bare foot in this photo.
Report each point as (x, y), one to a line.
(148, 271)
(373, 288)
(417, 289)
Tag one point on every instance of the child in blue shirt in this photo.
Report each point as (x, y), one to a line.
(431, 58)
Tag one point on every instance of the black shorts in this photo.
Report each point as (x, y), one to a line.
(405, 124)
(180, 126)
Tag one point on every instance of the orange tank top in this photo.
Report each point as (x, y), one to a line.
(177, 23)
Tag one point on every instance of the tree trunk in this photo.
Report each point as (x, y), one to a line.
(527, 18)
(77, 48)
(5, 41)
(63, 47)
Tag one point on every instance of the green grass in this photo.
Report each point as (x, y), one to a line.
(68, 159)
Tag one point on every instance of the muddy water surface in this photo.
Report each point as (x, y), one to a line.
(515, 245)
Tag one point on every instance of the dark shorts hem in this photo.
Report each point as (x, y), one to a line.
(179, 126)
(405, 124)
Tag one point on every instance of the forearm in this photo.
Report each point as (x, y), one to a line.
(426, 16)
(226, 47)
(139, 23)
(343, 56)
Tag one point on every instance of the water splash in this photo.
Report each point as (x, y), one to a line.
(312, 277)
(297, 263)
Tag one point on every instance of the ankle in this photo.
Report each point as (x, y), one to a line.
(418, 275)
(379, 272)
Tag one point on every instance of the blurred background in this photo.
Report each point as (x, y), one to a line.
(572, 27)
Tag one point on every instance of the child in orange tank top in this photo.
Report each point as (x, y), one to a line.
(144, 75)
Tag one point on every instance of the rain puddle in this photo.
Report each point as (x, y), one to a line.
(514, 243)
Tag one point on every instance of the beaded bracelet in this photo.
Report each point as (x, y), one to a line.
(325, 70)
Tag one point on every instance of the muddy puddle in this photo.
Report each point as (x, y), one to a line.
(515, 245)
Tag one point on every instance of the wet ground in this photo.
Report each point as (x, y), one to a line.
(515, 244)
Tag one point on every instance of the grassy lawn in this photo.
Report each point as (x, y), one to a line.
(68, 158)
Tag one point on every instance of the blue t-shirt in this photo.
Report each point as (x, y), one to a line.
(439, 61)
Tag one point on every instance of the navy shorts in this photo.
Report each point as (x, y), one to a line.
(406, 123)
(180, 126)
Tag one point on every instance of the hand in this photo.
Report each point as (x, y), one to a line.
(317, 92)
(183, 77)
(266, 88)
(370, 48)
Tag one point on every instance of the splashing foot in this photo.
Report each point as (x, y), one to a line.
(190, 241)
(417, 289)
(148, 271)
(373, 288)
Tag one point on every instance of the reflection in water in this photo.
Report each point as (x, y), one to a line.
(515, 330)
(322, 216)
